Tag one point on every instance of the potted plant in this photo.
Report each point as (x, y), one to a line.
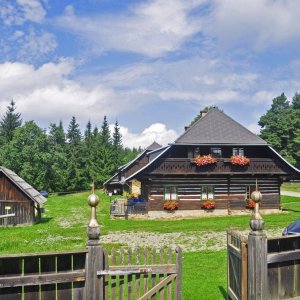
(239, 160)
(171, 205)
(204, 160)
(208, 205)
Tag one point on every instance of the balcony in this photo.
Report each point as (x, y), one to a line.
(222, 166)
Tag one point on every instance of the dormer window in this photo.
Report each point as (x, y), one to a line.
(238, 151)
(216, 152)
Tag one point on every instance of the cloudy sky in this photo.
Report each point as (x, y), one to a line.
(152, 65)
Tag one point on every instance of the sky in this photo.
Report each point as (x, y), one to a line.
(150, 65)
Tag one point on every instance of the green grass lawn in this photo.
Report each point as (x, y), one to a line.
(291, 186)
(63, 227)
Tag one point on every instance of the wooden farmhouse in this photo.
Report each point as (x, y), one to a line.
(201, 166)
(116, 183)
(18, 198)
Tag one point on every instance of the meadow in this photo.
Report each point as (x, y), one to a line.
(63, 227)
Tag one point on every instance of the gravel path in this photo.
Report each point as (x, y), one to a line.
(188, 241)
(292, 194)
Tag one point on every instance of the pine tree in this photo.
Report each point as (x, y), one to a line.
(74, 134)
(105, 137)
(10, 122)
(76, 179)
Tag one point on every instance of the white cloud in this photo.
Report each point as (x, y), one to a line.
(35, 45)
(48, 94)
(152, 28)
(156, 132)
(33, 10)
(257, 23)
(23, 10)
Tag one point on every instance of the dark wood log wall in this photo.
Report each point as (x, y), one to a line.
(20, 204)
(229, 192)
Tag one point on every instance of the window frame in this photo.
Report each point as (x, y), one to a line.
(216, 152)
(171, 192)
(249, 189)
(238, 151)
(209, 189)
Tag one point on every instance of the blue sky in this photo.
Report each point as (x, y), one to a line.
(152, 65)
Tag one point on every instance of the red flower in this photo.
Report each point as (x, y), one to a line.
(239, 160)
(171, 205)
(250, 203)
(204, 160)
(208, 204)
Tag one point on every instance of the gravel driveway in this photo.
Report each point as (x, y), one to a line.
(188, 241)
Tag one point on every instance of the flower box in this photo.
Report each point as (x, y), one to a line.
(208, 205)
(239, 160)
(204, 160)
(171, 205)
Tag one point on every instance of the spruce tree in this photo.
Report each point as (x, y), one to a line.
(76, 179)
(10, 122)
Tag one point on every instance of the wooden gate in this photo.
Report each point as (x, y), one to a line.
(126, 274)
(237, 266)
(142, 274)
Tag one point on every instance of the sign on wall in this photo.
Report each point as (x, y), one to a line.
(136, 187)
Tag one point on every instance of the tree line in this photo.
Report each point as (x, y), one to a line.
(56, 160)
(281, 127)
(59, 160)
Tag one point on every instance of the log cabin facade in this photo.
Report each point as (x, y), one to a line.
(171, 173)
(19, 198)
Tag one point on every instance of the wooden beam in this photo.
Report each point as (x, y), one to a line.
(283, 256)
(49, 278)
(156, 288)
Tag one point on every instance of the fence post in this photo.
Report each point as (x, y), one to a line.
(178, 287)
(94, 289)
(257, 254)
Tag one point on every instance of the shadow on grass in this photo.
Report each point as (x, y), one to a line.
(45, 220)
(289, 209)
(223, 292)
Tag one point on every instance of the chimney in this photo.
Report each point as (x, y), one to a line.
(186, 128)
(202, 113)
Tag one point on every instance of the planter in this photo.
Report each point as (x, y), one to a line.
(171, 205)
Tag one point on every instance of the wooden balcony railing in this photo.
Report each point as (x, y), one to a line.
(222, 166)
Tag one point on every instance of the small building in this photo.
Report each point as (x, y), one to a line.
(117, 183)
(173, 173)
(19, 198)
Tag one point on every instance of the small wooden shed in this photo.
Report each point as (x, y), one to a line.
(19, 198)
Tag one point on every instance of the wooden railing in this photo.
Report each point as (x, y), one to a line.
(124, 209)
(223, 166)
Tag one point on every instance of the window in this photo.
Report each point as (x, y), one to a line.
(170, 193)
(207, 192)
(238, 151)
(216, 152)
(249, 190)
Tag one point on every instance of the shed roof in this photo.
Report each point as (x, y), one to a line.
(32, 193)
(216, 128)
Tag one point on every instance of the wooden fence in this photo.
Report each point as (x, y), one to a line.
(125, 274)
(283, 267)
(123, 209)
(237, 266)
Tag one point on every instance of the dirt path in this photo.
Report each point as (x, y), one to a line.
(292, 194)
(188, 241)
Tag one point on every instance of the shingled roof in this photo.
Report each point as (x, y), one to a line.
(153, 146)
(33, 194)
(216, 128)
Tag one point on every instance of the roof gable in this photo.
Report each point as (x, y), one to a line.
(218, 128)
(27, 189)
(153, 146)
